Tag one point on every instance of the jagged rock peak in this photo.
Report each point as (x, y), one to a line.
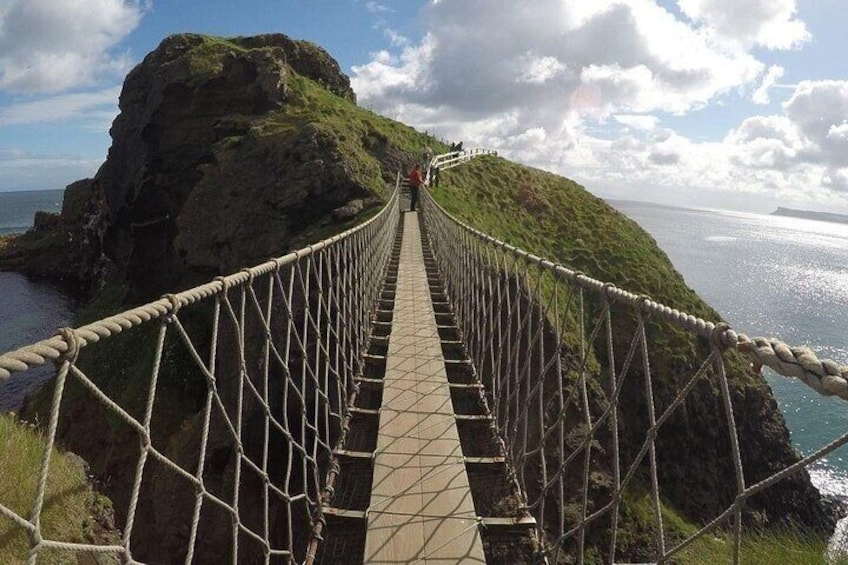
(201, 129)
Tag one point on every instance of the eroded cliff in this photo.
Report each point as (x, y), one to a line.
(226, 152)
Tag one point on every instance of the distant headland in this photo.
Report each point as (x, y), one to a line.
(810, 215)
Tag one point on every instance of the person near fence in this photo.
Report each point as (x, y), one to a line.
(415, 179)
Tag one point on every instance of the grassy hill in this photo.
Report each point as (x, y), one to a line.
(555, 218)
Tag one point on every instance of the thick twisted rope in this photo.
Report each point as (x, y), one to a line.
(51, 349)
(824, 376)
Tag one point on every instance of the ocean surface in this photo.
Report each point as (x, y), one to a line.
(771, 276)
(29, 310)
(18, 208)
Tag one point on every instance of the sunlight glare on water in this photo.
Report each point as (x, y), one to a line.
(771, 276)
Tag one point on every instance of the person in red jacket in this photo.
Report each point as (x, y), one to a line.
(415, 182)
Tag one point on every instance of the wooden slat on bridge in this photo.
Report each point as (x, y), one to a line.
(421, 508)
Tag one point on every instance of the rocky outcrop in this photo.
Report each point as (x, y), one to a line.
(193, 184)
(306, 59)
(65, 247)
(214, 165)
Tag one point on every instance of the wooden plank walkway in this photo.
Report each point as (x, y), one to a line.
(421, 508)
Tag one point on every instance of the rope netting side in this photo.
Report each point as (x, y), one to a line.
(571, 371)
(275, 349)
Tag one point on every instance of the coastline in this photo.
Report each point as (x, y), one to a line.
(811, 215)
(35, 308)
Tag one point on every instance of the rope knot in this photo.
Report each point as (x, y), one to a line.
(608, 289)
(747, 347)
(744, 344)
(225, 286)
(575, 277)
(642, 303)
(175, 306)
(722, 337)
(250, 275)
(69, 336)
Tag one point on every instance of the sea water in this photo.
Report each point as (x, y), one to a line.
(771, 276)
(18, 208)
(29, 310)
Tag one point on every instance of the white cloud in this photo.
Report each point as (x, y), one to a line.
(395, 38)
(637, 121)
(389, 80)
(377, 8)
(580, 87)
(836, 179)
(816, 106)
(761, 95)
(766, 23)
(50, 46)
(538, 70)
(551, 59)
(99, 106)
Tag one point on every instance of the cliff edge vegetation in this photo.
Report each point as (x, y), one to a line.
(555, 218)
(72, 512)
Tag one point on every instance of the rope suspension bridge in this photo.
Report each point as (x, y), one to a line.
(403, 392)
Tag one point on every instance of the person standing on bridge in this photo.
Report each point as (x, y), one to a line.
(415, 181)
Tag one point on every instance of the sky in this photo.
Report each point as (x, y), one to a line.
(732, 104)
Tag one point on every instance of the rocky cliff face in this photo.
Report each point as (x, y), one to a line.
(216, 163)
(191, 184)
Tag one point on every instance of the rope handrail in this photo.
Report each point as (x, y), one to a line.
(298, 326)
(826, 377)
(52, 348)
(558, 408)
(278, 347)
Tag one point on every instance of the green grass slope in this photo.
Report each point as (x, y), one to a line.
(72, 511)
(557, 219)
